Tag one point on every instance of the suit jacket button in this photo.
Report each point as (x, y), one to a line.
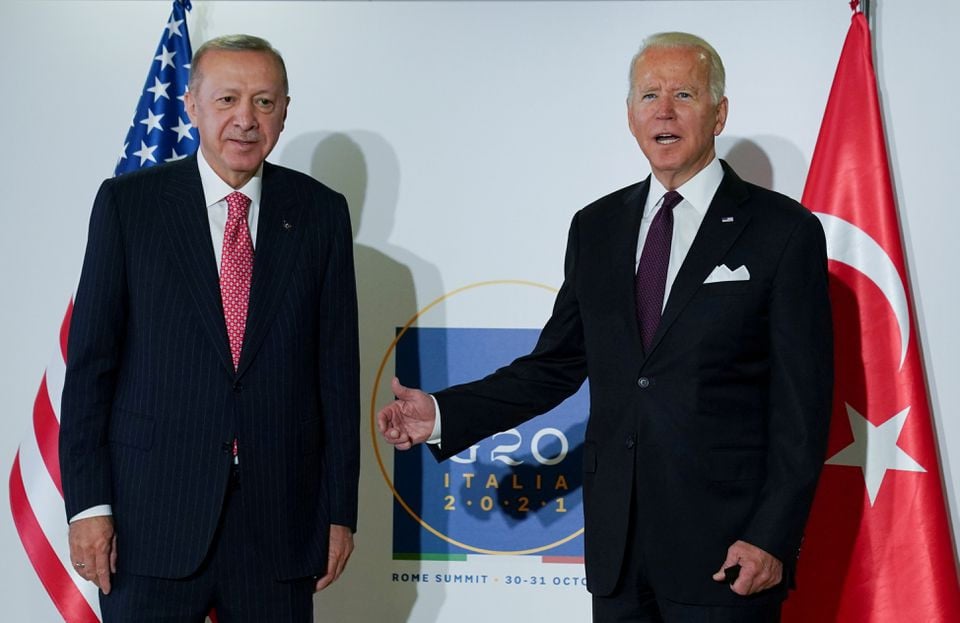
(643, 382)
(630, 442)
(237, 387)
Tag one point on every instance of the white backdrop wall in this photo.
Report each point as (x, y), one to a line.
(465, 135)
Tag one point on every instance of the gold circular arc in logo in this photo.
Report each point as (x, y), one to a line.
(373, 424)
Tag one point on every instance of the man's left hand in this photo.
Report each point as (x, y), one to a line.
(341, 546)
(758, 569)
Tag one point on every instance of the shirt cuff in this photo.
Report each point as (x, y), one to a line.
(434, 437)
(102, 510)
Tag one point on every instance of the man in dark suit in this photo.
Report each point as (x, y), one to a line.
(209, 440)
(697, 305)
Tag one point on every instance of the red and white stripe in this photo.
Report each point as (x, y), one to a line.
(36, 498)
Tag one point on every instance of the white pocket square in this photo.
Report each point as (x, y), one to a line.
(721, 274)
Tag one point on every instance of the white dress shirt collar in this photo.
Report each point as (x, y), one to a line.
(698, 191)
(215, 192)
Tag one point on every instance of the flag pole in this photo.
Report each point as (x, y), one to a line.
(867, 13)
(864, 7)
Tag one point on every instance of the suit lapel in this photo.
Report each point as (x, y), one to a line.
(279, 232)
(187, 225)
(722, 224)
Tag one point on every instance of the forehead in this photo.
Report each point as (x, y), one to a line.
(682, 65)
(240, 69)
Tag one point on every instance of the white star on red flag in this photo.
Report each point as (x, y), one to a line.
(875, 450)
(887, 556)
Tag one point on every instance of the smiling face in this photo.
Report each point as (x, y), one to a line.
(672, 114)
(238, 105)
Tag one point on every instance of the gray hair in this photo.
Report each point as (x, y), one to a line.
(685, 40)
(236, 43)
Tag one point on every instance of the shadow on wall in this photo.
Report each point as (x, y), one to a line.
(364, 168)
(765, 160)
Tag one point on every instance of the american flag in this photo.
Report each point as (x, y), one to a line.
(159, 132)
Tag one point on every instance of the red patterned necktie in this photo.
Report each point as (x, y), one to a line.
(651, 279)
(236, 269)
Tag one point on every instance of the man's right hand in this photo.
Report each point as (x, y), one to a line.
(409, 419)
(93, 550)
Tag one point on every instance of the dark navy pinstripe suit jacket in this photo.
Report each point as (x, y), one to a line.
(151, 400)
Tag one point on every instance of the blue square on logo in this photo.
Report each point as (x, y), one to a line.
(518, 492)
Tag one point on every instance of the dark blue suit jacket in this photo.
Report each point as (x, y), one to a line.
(151, 401)
(723, 422)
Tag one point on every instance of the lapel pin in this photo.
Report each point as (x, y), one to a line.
(286, 225)
(726, 219)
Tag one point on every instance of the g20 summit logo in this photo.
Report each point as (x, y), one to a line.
(518, 492)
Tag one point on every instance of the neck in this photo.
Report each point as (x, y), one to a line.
(673, 180)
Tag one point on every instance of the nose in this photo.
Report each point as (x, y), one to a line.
(245, 116)
(665, 109)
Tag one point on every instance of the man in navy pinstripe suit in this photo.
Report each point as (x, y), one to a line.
(192, 481)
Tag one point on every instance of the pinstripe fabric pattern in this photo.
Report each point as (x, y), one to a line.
(231, 580)
(151, 399)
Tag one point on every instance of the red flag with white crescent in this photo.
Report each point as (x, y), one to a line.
(878, 547)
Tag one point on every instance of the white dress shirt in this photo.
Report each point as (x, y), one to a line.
(215, 192)
(697, 193)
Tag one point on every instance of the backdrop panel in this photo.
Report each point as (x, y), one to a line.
(464, 135)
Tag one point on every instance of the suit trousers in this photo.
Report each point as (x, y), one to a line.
(232, 581)
(635, 601)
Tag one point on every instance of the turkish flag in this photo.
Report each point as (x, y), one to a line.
(878, 545)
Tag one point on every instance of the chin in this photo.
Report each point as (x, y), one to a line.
(666, 166)
(246, 164)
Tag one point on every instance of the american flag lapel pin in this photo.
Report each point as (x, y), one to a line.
(726, 219)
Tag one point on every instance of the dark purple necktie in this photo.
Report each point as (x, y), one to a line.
(651, 279)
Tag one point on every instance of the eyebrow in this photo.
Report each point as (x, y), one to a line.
(682, 87)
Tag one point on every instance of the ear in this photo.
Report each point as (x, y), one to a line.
(721, 117)
(190, 105)
(630, 117)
